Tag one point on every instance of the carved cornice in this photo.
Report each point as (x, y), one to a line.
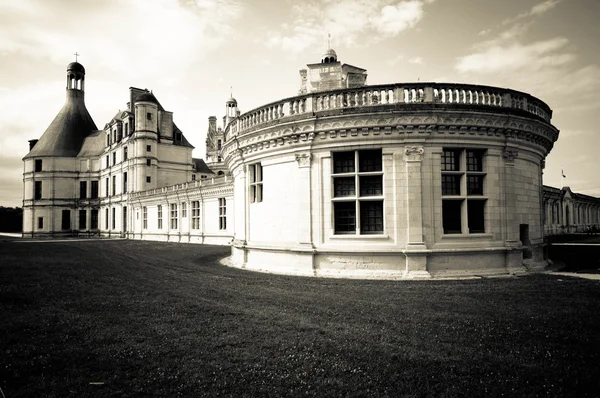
(403, 126)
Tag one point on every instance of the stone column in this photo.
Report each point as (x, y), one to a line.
(514, 257)
(416, 251)
(304, 199)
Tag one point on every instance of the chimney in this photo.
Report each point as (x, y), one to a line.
(212, 123)
(32, 144)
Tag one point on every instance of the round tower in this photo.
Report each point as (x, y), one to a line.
(329, 56)
(75, 76)
(231, 111)
(146, 130)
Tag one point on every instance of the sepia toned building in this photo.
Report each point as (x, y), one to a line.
(402, 180)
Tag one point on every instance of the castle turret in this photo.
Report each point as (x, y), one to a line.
(64, 137)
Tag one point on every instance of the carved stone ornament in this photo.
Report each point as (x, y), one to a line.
(414, 153)
(303, 159)
(509, 155)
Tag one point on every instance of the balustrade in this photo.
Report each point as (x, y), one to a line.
(439, 93)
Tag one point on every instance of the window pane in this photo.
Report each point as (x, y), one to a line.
(450, 185)
(475, 209)
(345, 217)
(451, 216)
(475, 185)
(371, 217)
(474, 160)
(371, 185)
(450, 160)
(343, 162)
(343, 186)
(369, 160)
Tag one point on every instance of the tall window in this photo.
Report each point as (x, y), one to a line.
(82, 219)
(256, 183)
(125, 152)
(66, 219)
(463, 200)
(183, 209)
(148, 116)
(94, 219)
(148, 162)
(40, 222)
(358, 192)
(114, 218)
(173, 215)
(106, 218)
(38, 165)
(124, 182)
(159, 216)
(145, 217)
(106, 185)
(196, 214)
(114, 158)
(148, 148)
(38, 190)
(94, 190)
(114, 185)
(82, 189)
(222, 214)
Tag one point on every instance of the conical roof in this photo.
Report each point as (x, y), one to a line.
(65, 135)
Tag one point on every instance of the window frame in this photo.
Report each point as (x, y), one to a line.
(173, 216)
(355, 171)
(145, 217)
(38, 165)
(195, 214)
(470, 173)
(222, 214)
(256, 182)
(159, 217)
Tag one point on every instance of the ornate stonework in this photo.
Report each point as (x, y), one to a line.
(303, 159)
(413, 153)
(509, 155)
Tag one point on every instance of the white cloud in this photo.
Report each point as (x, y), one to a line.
(350, 22)
(536, 10)
(416, 60)
(533, 57)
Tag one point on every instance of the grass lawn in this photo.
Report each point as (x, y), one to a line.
(129, 318)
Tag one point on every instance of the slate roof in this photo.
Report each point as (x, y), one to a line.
(201, 167)
(93, 145)
(65, 135)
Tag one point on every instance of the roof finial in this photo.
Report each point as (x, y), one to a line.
(329, 41)
(76, 55)
(230, 91)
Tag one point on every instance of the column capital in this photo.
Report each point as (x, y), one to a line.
(509, 155)
(303, 159)
(413, 153)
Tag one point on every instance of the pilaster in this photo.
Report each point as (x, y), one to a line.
(303, 217)
(416, 251)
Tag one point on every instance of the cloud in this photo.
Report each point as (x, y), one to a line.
(534, 56)
(349, 21)
(416, 60)
(535, 11)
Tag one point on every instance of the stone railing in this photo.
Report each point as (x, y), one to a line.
(181, 186)
(394, 95)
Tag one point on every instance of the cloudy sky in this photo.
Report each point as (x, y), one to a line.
(190, 52)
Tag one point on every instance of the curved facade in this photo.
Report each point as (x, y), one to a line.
(400, 180)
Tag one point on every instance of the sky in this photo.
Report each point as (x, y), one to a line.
(194, 54)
